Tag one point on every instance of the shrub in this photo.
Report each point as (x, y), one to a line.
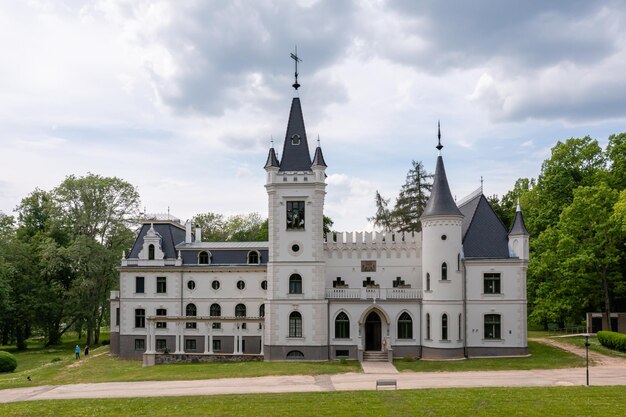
(8, 363)
(105, 342)
(612, 340)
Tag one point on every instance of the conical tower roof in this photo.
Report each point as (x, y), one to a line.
(272, 160)
(296, 156)
(519, 227)
(318, 158)
(440, 202)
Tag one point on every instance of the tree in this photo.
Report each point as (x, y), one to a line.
(237, 228)
(95, 206)
(573, 163)
(409, 204)
(616, 154)
(591, 239)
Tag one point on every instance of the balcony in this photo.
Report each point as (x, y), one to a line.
(373, 293)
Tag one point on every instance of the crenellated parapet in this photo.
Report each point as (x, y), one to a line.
(373, 244)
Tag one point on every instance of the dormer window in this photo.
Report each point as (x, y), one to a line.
(295, 139)
(151, 252)
(253, 257)
(203, 258)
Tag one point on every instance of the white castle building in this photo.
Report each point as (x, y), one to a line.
(457, 289)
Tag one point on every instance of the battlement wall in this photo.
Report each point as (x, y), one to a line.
(373, 244)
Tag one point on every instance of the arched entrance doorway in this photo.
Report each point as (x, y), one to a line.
(373, 332)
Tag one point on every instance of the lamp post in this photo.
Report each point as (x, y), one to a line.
(587, 354)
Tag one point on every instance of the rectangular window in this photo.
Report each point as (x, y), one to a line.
(217, 325)
(492, 326)
(139, 287)
(190, 345)
(117, 316)
(161, 345)
(295, 214)
(491, 283)
(217, 345)
(161, 285)
(161, 324)
(342, 353)
(140, 318)
(140, 344)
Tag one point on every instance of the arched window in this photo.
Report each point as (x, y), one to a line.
(253, 257)
(262, 310)
(191, 311)
(204, 258)
(295, 324)
(427, 281)
(427, 326)
(405, 326)
(215, 311)
(444, 271)
(295, 284)
(342, 326)
(460, 327)
(151, 252)
(444, 327)
(240, 311)
(295, 354)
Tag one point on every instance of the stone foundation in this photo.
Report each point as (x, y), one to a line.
(440, 353)
(170, 358)
(496, 351)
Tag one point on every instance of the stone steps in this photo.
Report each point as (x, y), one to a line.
(375, 357)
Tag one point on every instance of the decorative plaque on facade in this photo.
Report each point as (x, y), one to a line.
(368, 266)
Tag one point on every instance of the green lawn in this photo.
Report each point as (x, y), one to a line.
(542, 357)
(101, 367)
(56, 366)
(543, 401)
(593, 345)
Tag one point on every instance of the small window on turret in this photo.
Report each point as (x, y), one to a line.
(295, 139)
(444, 271)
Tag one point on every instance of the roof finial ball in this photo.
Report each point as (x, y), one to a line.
(294, 56)
(439, 145)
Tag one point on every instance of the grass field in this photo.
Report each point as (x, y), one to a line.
(57, 366)
(542, 357)
(544, 401)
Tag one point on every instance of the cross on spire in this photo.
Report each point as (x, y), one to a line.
(296, 59)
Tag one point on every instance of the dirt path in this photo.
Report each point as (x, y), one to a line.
(79, 362)
(594, 357)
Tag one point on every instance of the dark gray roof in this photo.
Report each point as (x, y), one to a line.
(318, 158)
(223, 257)
(519, 227)
(440, 202)
(272, 160)
(171, 235)
(296, 157)
(484, 234)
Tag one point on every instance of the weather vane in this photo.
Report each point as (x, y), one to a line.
(294, 56)
(439, 145)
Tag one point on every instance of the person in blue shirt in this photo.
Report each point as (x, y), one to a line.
(77, 351)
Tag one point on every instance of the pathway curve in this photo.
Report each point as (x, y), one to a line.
(596, 357)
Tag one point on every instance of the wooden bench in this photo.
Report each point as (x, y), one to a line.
(386, 383)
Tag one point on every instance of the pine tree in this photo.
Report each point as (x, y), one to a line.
(409, 205)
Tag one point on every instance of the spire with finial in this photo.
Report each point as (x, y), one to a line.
(318, 158)
(272, 158)
(295, 58)
(439, 145)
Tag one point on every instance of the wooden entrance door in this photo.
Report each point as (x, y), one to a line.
(372, 332)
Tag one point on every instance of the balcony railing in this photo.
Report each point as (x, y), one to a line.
(371, 293)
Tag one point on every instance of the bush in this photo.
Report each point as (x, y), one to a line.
(105, 342)
(8, 363)
(612, 340)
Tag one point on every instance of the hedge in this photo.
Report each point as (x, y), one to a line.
(612, 340)
(8, 363)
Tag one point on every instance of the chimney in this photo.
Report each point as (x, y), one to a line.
(198, 233)
(188, 231)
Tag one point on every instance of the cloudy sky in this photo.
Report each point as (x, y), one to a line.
(181, 98)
